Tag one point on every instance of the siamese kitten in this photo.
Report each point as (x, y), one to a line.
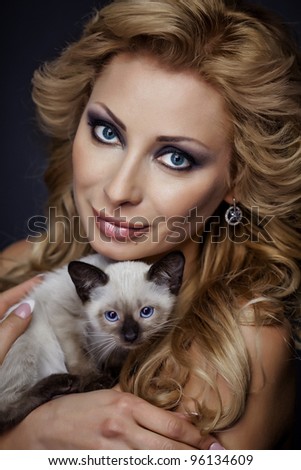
(87, 317)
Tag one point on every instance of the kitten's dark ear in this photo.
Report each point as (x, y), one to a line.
(86, 277)
(168, 271)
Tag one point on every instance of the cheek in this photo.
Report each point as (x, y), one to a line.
(187, 217)
(81, 171)
(88, 173)
(82, 181)
(77, 160)
(211, 198)
(205, 195)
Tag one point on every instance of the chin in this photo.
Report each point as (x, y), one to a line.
(116, 251)
(126, 251)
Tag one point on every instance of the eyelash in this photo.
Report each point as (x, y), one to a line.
(94, 122)
(187, 156)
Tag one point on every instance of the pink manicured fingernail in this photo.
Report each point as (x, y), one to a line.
(25, 309)
(40, 276)
(216, 446)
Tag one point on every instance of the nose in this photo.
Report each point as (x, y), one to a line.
(130, 330)
(126, 182)
(130, 336)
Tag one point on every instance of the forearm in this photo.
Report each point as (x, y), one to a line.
(19, 438)
(105, 419)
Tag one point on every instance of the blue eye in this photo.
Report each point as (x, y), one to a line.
(102, 130)
(111, 316)
(105, 134)
(176, 159)
(147, 312)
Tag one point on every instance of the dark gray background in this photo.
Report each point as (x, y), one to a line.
(31, 32)
(34, 31)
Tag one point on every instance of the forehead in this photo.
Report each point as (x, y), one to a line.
(140, 83)
(128, 289)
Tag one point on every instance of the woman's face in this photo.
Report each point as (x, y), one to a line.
(150, 159)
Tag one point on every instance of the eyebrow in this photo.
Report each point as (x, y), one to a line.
(112, 115)
(167, 138)
(161, 138)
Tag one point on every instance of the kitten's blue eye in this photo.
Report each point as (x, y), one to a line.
(111, 316)
(176, 159)
(147, 312)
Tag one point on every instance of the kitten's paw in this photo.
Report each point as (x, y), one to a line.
(96, 381)
(54, 385)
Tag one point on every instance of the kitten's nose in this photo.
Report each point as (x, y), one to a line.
(130, 330)
(130, 336)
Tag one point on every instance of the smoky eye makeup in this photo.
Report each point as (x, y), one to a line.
(175, 153)
(179, 159)
(175, 159)
(103, 130)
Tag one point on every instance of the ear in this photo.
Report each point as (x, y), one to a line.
(86, 277)
(230, 196)
(168, 271)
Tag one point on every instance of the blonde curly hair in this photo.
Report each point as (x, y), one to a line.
(252, 275)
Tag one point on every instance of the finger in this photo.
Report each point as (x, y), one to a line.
(169, 425)
(13, 295)
(215, 445)
(179, 439)
(13, 326)
(208, 441)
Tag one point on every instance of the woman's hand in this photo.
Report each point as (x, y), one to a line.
(17, 322)
(105, 419)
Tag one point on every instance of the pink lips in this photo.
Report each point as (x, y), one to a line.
(118, 229)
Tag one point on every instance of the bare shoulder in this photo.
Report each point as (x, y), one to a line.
(267, 420)
(13, 255)
(269, 413)
(270, 350)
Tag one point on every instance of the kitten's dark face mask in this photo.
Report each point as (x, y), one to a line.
(127, 321)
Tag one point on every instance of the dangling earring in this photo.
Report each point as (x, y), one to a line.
(233, 214)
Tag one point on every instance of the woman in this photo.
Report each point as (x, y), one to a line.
(176, 125)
